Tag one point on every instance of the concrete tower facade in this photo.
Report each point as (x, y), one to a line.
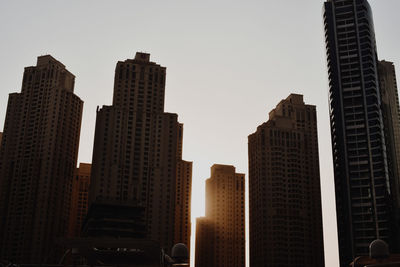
(221, 234)
(79, 199)
(183, 195)
(137, 149)
(284, 188)
(363, 195)
(37, 163)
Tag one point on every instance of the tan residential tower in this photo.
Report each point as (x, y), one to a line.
(37, 163)
(137, 160)
(220, 235)
(284, 188)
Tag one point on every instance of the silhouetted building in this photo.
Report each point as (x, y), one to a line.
(363, 195)
(79, 199)
(37, 163)
(220, 235)
(204, 253)
(183, 196)
(137, 148)
(1, 137)
(284, 188)
(391, 122)
(113, 219)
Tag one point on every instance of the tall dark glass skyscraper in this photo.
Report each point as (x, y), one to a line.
(362, 184)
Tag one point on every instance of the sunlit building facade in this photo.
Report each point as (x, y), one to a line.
(220, 235)
(284, 188)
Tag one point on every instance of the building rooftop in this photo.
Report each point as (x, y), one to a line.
(47, 59)
(140, 56)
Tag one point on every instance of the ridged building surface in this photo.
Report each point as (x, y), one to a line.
(37, 163)
(137, 151)
(363, 194)
(183, 195)
(391, 122)
(284, 188)
(220, 235)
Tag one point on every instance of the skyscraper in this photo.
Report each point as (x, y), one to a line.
(183, 195)
(79, 199)
(37, 162)
(220, 236)
(362, 184)
(284, 188)
(137, 149)
(204, 254)
(1, 136)
(391, 122)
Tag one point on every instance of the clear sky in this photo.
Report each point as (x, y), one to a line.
(228, 62)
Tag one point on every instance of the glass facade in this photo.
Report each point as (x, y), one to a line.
(362, 186)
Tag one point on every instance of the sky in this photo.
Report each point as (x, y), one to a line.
(229, 62)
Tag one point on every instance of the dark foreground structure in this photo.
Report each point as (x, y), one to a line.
(114, 252)
(379, 256)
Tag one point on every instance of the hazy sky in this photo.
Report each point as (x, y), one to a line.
(228, 64)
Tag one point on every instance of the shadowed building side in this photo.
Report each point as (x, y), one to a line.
(37, 163)
(137, 150)
(205, 254)
(183, 201)
(284, 188)
(183, 195)
(79, 199)
(364, 199)
(391, 121)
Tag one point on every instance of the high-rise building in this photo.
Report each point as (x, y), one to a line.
(362, 184)
(1, 137)
(220, 235)
(79, 199)
(137, 150)
(284, 188)
(204, 253)
(391, 122)
(183, 196)
(37, 163)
